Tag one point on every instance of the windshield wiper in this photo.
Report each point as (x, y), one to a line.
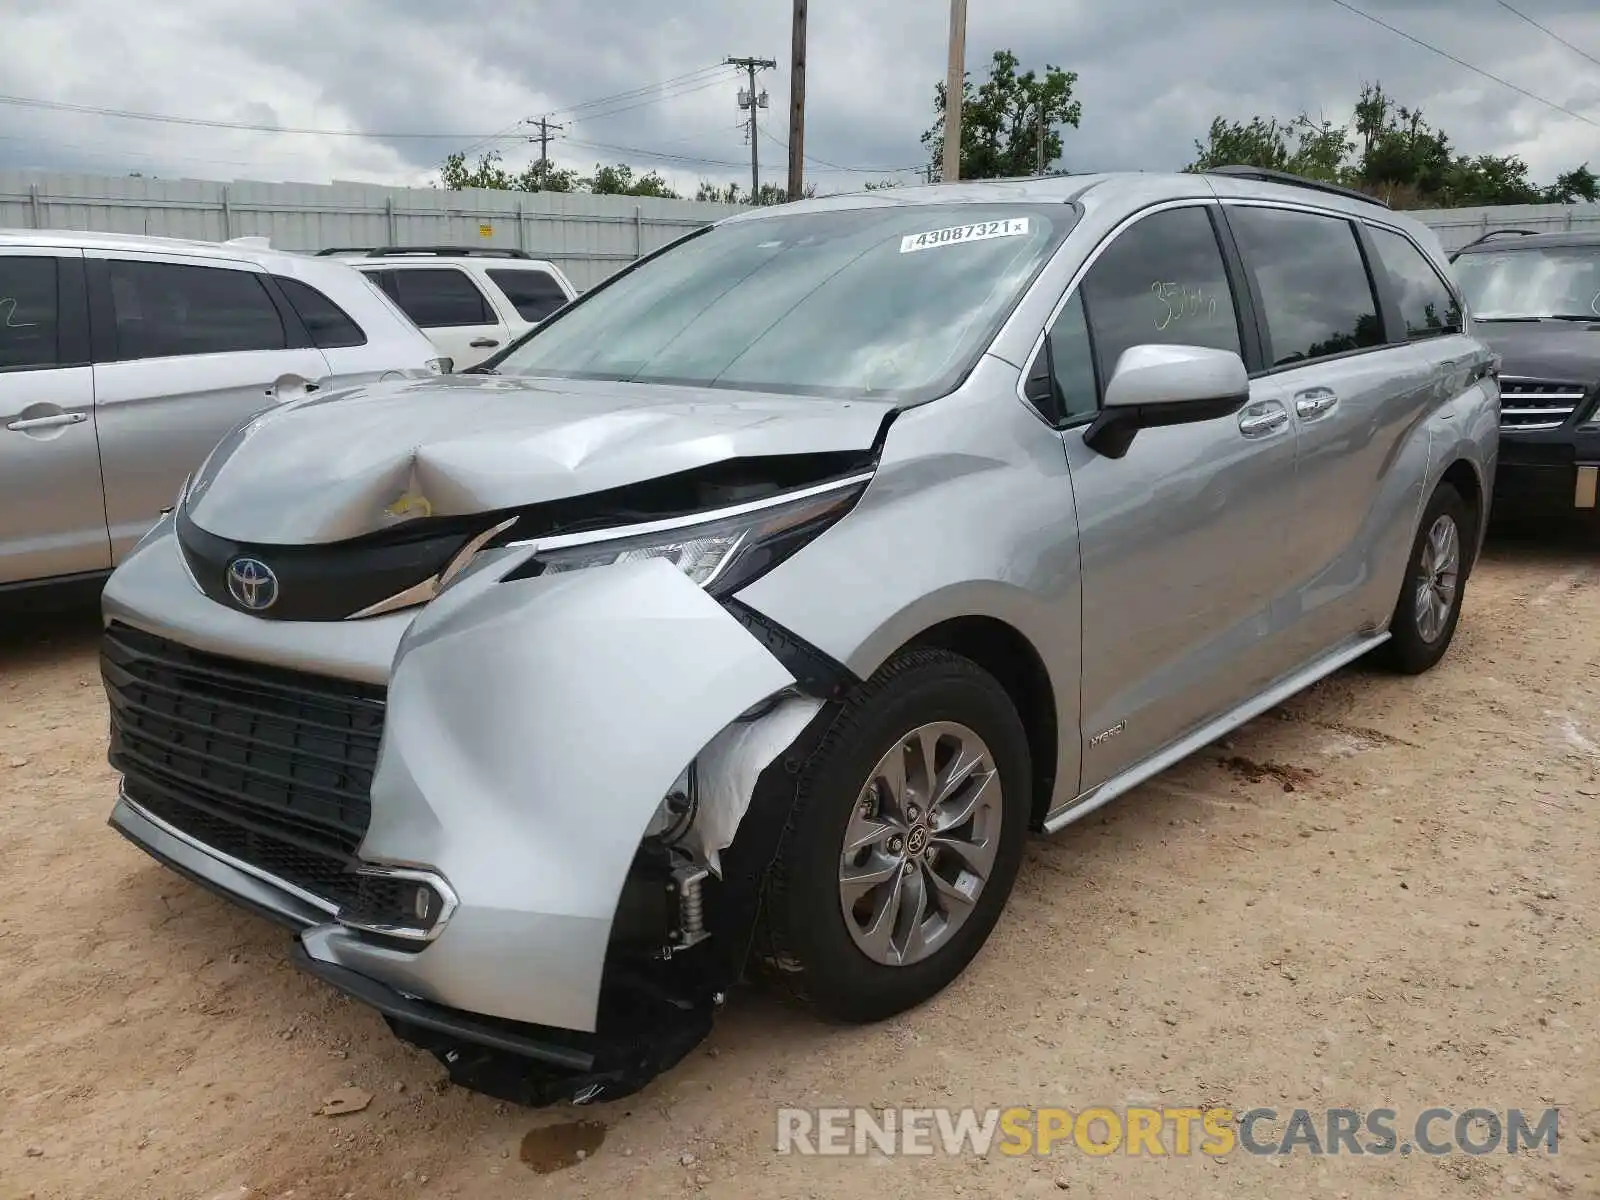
(478, 370)
(1586, 317)
(1499, 320)
(1535, 319)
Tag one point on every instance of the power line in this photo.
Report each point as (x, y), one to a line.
(1463, 63)
(245, 126)
(1548, 32)
(573, 109)
(646, 102)
(654, 154)
(822, 162)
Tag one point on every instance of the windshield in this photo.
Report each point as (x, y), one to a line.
(1556, 282)
(894, 302)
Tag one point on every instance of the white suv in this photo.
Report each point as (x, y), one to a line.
(125, 359)
(470, 300)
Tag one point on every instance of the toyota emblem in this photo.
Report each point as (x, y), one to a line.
(252, 584)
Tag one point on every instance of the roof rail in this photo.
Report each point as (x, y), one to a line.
(1494, 233)
(1263, 175)
(442, 251)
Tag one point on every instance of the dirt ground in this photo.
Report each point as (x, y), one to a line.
(1413, 925)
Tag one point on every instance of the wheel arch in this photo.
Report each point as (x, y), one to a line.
(1462, 474)
(1006, 653)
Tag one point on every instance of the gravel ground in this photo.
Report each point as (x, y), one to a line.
(1382, 894)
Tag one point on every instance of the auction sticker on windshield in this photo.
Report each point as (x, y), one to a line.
(982, 231)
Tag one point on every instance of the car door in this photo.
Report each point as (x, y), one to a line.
(1181, 538)
(185, 349)
(1361, 403)
(52, 510)
(450, 308)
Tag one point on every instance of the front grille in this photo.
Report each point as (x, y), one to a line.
(270, 766)
(1528, 404)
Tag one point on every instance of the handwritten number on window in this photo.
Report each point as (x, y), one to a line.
(1180, 302)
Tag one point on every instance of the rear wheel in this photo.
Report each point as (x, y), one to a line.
(1425, 616)
(905, 840)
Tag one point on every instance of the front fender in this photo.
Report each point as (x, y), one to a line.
(533, 729)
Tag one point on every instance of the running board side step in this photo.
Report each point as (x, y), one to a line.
(1108, 791)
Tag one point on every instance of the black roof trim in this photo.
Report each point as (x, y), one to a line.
(1263, 175)
(442, 251)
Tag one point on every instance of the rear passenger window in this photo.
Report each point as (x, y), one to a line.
(329, 325)
(1426, 301)
(28, 313)
(534, 293)
(1162, 281)
(434, 297)
(1312, 280)
(163, 310)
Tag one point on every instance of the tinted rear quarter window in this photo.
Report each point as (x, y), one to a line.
(1426, 302)
(1161, 282)
(330, 327)
(534, 293)
(436, 297)
(29, 321)
(1313, 283)
(163, 310)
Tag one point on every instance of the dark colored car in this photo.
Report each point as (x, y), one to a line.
(1535, 299)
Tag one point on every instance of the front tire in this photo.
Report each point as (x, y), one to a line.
(1425, 616)
(904, 842)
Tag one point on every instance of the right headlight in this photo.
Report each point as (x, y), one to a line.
(722, 554)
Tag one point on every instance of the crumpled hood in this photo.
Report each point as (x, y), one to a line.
(332, 467)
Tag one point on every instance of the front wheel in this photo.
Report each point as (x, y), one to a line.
(1425, 616)
(905, 840)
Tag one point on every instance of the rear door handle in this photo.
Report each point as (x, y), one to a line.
(1263, 417)
(483, 343)
(50, 422)
(1313, 402)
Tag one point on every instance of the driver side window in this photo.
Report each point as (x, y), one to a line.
(1162, 281)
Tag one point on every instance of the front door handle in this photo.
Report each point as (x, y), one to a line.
(50, 422)
(1313, 402)
(483, 343)
(1264, 417)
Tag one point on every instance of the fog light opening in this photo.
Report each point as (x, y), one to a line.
(398, 902)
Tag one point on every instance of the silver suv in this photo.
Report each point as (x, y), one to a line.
(123, 361)
(753, 609)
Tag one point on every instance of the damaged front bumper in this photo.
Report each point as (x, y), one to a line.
(530, 731)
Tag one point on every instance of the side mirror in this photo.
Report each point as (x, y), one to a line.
(1155, 385)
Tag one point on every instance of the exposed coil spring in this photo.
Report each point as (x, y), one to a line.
(692, 908)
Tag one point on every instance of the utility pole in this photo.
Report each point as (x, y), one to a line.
(797, 102)
(545, 128)
(1041, 140)
(753, 102)
(955, 88)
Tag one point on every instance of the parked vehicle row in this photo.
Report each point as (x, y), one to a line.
(124, 361)
(751, 608)
(470, 301)
(1536, 301)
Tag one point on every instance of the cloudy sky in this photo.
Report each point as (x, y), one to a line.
(1152, 75)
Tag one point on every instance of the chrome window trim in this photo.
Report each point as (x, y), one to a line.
(644, 529)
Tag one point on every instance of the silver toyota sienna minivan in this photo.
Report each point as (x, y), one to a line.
(750, 612)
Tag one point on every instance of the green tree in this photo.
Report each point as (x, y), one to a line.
(619, 180)
(1010, 122)
(731, 193)
(489, 172)
(1390, 151)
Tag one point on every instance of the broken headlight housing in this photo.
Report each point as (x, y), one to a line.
(721, 552)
